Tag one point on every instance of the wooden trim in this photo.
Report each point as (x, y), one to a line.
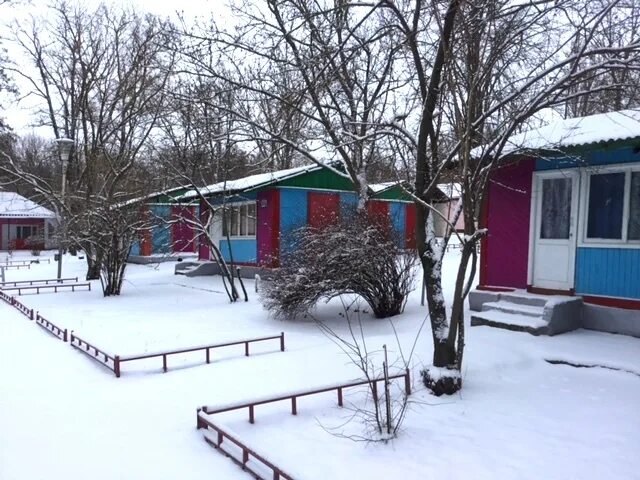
(626, 303)
(550, 291)
(484, 240)
(489, 288)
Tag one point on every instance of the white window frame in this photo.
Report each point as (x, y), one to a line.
(585, 177)
(238, 207)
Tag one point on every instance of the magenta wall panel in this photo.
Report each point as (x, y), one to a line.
(268, 228)
(508, 206)
(203, 246)
(182, 232)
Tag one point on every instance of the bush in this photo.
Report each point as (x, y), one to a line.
(354, 256)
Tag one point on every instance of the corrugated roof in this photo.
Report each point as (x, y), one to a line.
(13, 205)
(574, 132)
(251, 182)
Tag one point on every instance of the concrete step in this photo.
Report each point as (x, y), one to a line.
(510, 321)
(524, 298)
(514, 308)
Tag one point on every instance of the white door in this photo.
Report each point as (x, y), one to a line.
(554, 240)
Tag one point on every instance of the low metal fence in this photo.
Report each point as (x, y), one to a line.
(206, 348)
(52, 328)
(112, 362)
(220, 435)
(33, 282)
(55, 287)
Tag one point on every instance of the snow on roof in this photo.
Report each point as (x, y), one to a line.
(251, 182)
(381, 187)
(451, 190)
(13, 205)
(571, 132)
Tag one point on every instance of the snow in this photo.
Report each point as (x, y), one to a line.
(251, 182)
(451, 190)
(602, 127)
(15, 205)
(63, 415)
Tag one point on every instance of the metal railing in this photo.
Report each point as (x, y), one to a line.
(207, 348)
(247, 453)
(54, 287)
(112, 362)
(51, 327)
(44, 281)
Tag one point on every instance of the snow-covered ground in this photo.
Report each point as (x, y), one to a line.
(64, 416)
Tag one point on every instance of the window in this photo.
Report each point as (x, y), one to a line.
(613, 206)
(556, 208)
(25, 231)
(240, 220)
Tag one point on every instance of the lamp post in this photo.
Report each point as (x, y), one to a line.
(64, 148)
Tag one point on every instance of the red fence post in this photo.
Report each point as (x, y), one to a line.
(246, 349)
(116, 365)
(164, 363)
(64, 335)
(339, 397)
(294, 407)
(251, 417)
(208, 359)
(282, 341)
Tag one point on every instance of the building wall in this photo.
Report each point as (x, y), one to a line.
(602, 270)
(608, 272)
(8, 231)
(283, 210)
(505, 251)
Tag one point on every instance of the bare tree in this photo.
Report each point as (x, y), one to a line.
(493, 66)
(102, 77)
(315, 77)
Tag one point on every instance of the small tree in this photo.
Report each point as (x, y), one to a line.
(355, 256)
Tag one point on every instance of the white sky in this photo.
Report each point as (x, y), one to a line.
(18, 112)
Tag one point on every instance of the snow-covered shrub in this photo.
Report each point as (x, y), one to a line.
(353, 256)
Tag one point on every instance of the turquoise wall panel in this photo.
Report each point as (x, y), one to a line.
(613, 272)
(243, 250)
(398, 220)
(135, 249)
(348, 204)
(161, 232)
(293, 215)
(602, 156)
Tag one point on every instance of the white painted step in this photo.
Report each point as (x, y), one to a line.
(525, 321)
(514, 308)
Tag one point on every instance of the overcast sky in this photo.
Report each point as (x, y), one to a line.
(19, 112)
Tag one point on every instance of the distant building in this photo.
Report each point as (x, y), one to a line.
(24, 224)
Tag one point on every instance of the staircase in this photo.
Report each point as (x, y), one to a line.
(524, 312)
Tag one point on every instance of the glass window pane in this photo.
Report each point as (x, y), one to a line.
(606, 197)
(251, 220)
(634, 207)
(556, 208)
(243, 220)
(234, 221)
(225, 222)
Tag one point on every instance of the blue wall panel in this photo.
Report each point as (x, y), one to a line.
(135, 249)
(595, 157)
(348, 204)
(611, 272)
(398, 220)
(161, 232)
(244, 250)
(293, 215)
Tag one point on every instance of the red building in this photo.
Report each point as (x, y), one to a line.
(24, 224)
